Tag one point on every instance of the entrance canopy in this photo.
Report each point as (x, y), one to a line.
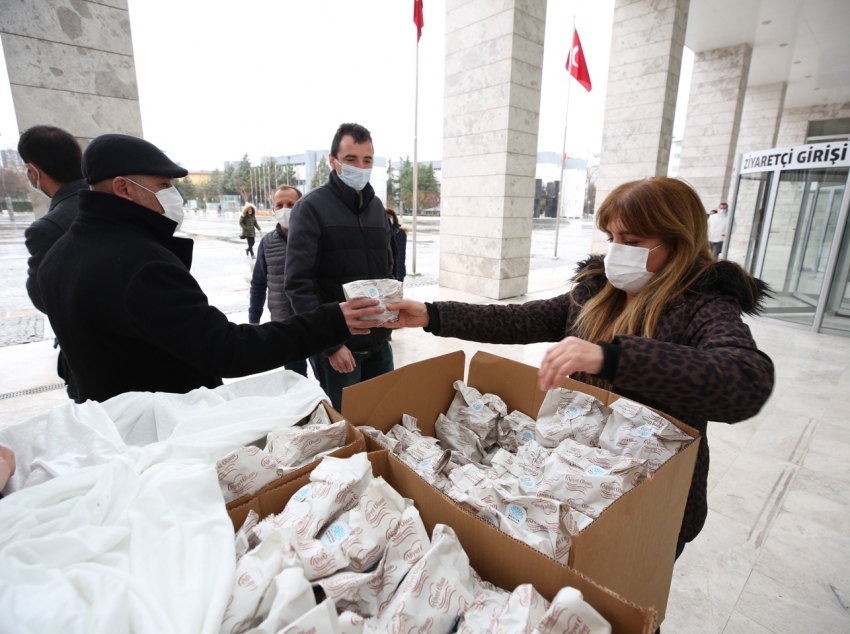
(789, 228)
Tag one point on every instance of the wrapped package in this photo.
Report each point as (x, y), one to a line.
(516, 429)
(457, 437)
(335, 486)
(288, 597)
(569, 612)
(365, 593)
(436, 591)
(568, 414)
(296, 446)
(248, 469)
(521, 612)
(406, 434)
(246, 539)
(323, 618)
(589, 479)
(636, 431)
(356, 539)
(385, 291)
(254, 573)
(480, 413)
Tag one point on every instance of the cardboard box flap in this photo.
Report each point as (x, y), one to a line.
(381, 402)
(496, 557)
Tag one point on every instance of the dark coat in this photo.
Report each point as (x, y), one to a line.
(130, 316)
(249, 225)
(268, 275)
(337, 236)
(401, 253)
(701, 365)
(44, 232)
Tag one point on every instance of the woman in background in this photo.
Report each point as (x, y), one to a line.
(400, 236)
(248, 224)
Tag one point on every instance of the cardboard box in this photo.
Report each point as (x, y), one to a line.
(354, 443)
(496, 557)
(630, 548)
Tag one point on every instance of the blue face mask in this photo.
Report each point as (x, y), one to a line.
(355, 177)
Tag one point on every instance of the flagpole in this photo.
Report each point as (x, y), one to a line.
(415, 156)
(561, 199)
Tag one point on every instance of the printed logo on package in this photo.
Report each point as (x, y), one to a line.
(516, 514)
(335, 533)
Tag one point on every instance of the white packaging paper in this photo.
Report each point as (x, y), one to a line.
(516, 429)
(568, 414)
(570, 613)
(636, 431)
(478, 412)
(455, 436)
(385, 291)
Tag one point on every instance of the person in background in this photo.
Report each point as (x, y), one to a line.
(270, 266)
(249, 225)
(52, 158)
(657, 320)
(339, 233)
(127, 311)
(7, 466)
(400, 236)
(717, 225)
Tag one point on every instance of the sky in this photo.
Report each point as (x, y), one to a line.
(276, 77)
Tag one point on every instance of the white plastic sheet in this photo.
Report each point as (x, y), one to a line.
(127, 530)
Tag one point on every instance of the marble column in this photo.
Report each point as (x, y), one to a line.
(493, 70)
(71, 65)
(715, 104)
(759, 124)
(643, 80)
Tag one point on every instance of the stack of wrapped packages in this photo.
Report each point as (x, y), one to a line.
(349, 555)
(248, 469)
(538, 481)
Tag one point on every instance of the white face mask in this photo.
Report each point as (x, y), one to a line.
(625, 267)
(37, 186)
(355, 177)
(282, 216)
(171, 201)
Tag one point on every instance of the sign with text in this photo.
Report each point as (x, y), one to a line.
(807, 156)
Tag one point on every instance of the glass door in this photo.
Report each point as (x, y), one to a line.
(837, 315)
(799, 240)
(750, 211)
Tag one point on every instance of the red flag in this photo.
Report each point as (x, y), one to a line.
(418, 19)
(576, 64)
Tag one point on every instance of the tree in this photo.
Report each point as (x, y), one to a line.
(242, 178)
(186, 188)
(287, 175)
(228, 185)
(391, 183)
(428, 187)
(323, 173)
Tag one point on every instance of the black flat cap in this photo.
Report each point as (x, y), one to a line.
(111, 155)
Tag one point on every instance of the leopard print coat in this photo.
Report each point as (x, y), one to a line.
(701, 365)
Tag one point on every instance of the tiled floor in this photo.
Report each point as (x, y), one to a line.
(775, 552)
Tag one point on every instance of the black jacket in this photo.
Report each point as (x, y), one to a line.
(337, 236)
(400, 236)
(44, 232)
(130, 316)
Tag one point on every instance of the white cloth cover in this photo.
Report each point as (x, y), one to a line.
(127, 530)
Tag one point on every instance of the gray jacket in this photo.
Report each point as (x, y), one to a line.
(44, 232)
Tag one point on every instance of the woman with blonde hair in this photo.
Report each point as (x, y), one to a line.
(657, 320)
(248, 224)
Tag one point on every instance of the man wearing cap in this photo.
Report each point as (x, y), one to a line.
(126, 310)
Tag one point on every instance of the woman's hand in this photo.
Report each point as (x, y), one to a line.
(567, 356)
(411, 314)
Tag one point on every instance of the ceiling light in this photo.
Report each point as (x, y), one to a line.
(766, 22)
(818, 88)
(783, 44)
(807, 76)
(797, 62)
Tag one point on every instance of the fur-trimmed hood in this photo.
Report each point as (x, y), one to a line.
(722, 278)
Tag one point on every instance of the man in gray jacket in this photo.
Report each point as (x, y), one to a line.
(53, 157)
(338, 233)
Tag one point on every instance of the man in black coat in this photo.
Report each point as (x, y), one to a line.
(53, 158)
(126, 310)
(338, 233)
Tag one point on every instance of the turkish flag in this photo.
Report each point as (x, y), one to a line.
(418, 18)
(576, 63)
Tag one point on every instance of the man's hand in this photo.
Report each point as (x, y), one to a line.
(567, 356)
(7, 465)
(411, 314)
(357, 308)
(342, 360)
